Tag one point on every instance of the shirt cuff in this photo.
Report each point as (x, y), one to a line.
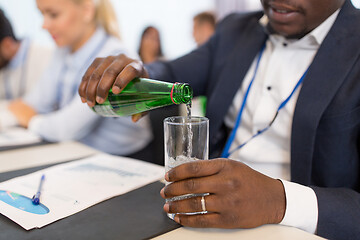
(156, 70)
(35, 124)
(301, 207)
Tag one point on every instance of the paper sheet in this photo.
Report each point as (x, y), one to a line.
(72, 187)
(17, 136)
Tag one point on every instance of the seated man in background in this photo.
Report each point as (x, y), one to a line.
(204, 27)
(21, 62)
(283, 89)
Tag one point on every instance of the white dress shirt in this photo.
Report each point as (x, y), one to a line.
(62, 115)
(283, 63)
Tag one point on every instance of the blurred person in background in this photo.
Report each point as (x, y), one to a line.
(83, 30)
(149, 51)
(204, 27)
(21, 62)
(150, 45)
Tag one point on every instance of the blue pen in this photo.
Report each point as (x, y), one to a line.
(36, 198)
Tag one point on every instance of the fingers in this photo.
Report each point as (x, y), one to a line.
(242, 196)
(199, 220)
(86, 78)
(22, 112)
(108, 78)
(132, 70)
(194, 185)
(104, 73)
(138, 116)
(193, 204)
(195, 169)
(95, 79)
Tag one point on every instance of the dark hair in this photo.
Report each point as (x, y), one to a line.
(5, 27)
(206, 17)
(146, 30)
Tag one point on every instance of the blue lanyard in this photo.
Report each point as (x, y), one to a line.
(226, 152)
(86, 64)
(8, 93)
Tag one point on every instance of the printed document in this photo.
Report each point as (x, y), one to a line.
(72, 187)
(15, 136)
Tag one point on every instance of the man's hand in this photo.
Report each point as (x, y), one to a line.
(111, 72)
(22, 112)
(240, 197)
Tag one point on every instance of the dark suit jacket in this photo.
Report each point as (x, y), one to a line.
(326, 125)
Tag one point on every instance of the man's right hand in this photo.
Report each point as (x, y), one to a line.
(111, 72)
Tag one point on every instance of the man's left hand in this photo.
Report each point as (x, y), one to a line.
(240, 197)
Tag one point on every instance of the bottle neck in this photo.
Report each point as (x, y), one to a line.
(181, 93)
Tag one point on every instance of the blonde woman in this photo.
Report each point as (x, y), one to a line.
(82, 30)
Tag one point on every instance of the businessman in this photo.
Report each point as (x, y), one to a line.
(284, 107)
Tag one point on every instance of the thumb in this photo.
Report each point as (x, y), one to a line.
(138, 116)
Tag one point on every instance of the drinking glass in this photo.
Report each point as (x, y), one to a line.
(186, 140)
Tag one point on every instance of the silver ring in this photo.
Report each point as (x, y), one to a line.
(203, 204)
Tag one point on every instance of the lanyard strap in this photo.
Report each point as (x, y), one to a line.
(226, 152)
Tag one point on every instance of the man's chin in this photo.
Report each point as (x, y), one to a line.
(287, 31)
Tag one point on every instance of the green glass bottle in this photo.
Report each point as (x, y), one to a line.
(142, 95)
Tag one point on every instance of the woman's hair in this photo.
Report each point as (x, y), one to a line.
(6, 29)
(105, 16)
(147, 29)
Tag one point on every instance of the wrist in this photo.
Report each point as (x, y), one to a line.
(145, 73)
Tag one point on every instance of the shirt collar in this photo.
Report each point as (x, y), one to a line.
(314, 38)
(323, 29)
(20, 56)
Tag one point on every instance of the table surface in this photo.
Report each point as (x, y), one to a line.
(61, 152)
(43, 155)
(266, 232)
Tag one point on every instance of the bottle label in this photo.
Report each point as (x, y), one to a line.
(104, 110)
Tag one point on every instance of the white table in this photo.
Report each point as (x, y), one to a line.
(266, 232)
(61, 152)
(42, 155)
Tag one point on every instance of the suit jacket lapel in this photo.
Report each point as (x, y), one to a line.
(332, 63)
(236, 66)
